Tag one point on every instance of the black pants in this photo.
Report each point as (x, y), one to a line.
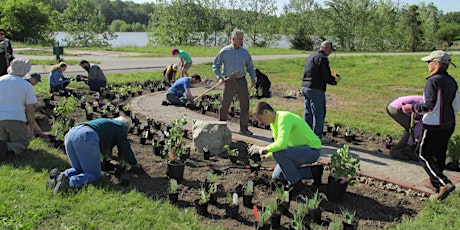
(432, 153)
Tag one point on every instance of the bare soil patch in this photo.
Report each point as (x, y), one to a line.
(377, 205)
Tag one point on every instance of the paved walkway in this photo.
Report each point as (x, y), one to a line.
(375, 165)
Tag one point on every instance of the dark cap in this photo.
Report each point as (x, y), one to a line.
(36, 76)
(327, 44)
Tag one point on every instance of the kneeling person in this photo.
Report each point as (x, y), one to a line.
(295, 144)
(84, 145)
(175, 94)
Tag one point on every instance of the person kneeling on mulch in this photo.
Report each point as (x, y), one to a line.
(295, 145)
(84, 145)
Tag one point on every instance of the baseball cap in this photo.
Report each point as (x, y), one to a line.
(19, 67)
(439, 56)
(37, 76)
(327, 44)
(175, 67)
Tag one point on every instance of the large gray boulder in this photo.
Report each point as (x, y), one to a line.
(213, 134)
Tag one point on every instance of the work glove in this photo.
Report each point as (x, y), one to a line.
(337, 78)
(255, 150)
(407, 108)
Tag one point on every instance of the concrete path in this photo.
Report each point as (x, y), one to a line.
(375, 165)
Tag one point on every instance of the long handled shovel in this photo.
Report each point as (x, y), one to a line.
(231, 77)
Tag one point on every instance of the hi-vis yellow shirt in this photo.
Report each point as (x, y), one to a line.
(290, 130)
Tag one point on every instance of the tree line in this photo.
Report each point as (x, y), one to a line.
(354, 25)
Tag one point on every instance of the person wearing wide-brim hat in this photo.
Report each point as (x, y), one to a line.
(440, 105)
(33, 78)
(17, 111)
(6, 52)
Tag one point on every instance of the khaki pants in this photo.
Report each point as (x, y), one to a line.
(236, 87)
(16, 134)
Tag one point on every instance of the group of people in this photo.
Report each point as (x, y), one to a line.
(297, 141)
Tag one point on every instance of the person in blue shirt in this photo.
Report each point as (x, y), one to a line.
(33, 78)
(59, 82)
(175, 94)
(234, 58)
(84, 145)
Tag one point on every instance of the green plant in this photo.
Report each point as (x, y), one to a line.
(248, 190)
(172, 188)
(212, 188)
(175, 145)
(349, 131)
(204, 196)
(348, 217)
(232, 152)
(343, 165)
(264, 216)
(282, 194)
(66, 107)
(212, 177)
(298, 220)
(272, 206)
(315, 201)
(453, 148)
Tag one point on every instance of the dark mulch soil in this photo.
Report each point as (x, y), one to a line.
(377, 205)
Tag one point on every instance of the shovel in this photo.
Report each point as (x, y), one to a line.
(231, 77)
(221, 169)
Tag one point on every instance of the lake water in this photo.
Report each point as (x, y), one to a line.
(141, 39)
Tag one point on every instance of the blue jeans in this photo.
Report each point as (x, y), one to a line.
(290, 163)
(82, 147)
(176, 98)
(314, 109)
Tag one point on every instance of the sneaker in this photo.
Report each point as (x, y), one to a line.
(445, 190)
(62, 184)
(54, 173)
(325, 140)
(3, 150)
(245, 132)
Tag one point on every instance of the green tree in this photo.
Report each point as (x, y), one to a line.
(116, 25)
(448, 33)
(384, 33)
(349, 22)
(28, 21)
(305, 13)
(175, 23)
(262, 22)
(85, 25)
(428, 16)
(413, 27)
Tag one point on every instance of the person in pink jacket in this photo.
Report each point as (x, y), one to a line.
(403, 150)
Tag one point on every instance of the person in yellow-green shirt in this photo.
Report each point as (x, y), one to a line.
(295, 145)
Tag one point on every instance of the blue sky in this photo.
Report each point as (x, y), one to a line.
(444, 5)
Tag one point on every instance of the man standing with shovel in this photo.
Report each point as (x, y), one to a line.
(235, 58)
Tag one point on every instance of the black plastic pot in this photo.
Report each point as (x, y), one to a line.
(157, 150)
(335, 190)
(213, 198)
(173, 197)
(335, 133)
(206, 155)
(349, 138)
(231, 210)
(201, 208)
(275, 220)
(124, 179)
(233, 159)
(247, 200)
(175, 170)
(265, 226)
(352, 226)
(317, 173)
(283, 207)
